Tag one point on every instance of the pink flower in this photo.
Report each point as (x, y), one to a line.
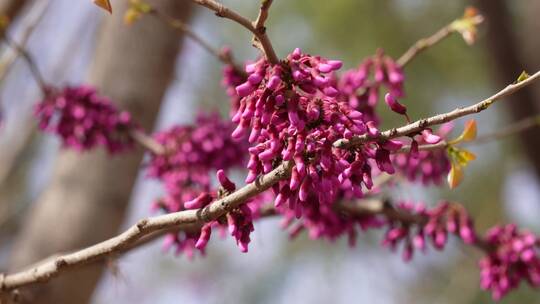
(427, 166)
(84, 120)
(192, 154)
(361, 87)
(512, 258)
(422, 224)
(291, 112)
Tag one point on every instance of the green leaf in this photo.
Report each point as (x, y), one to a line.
(523, 76)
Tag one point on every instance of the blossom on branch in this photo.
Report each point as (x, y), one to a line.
(514, 258)
(426, 166)
(421, 224)
(84, 120)
(361, 87)
(292, 113)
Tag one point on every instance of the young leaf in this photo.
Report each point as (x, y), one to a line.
(468, 134)
(104, 4)
(141, 6)
(455, 176)
(459, 159)
(465, 156)
(523, 76)
(131, 16)
(466, 25)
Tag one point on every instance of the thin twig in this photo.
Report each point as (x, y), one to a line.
(51, 268)
(381, 207)
(28, 26)
(148, 230)
(517, 127)
(428, 147)
(29, 60)
(146, 141)
(263, 14)
(259, 22)
(225, 12)
(425, 43)
(422, 124)
(178, 24)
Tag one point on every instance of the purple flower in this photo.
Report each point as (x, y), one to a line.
(424, 224)
(514, 257)
(427, 166)
(291, 112)
(192, 154)
(361, 87)
(84, 120)
(240, 225)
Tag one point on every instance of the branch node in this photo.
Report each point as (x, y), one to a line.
(142, 224)
(60, 262)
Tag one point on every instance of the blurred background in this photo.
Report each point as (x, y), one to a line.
(54, 201)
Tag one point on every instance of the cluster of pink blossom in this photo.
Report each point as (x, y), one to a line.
(191, 151)
(191, 154)
(361, 87)
(322, 221)
(293, 114)
(83, 119)
(428, 166)
(239, 221)
(418, 223)
(513, 257)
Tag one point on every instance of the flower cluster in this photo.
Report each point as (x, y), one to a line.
(83, 119)
(361, 87)
(240, 223)
(414, 223)
(513, 257)
(293, 113)
(427, 166)
(192, 151)
(323, 221)
(191, 154)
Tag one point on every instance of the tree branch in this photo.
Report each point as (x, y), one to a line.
(50, 268)
(184, 28)
(21, 51)
(263, 14)
(425, 43)
(35, 15)
(422, 124)
(260, 33)
(517, 127)
(148, 230)
(146, 141)
(385, 208)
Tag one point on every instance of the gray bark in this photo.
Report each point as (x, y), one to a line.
(88, 193)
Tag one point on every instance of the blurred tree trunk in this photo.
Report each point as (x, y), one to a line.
(504, 48)
(11, 8)
(88, 193)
